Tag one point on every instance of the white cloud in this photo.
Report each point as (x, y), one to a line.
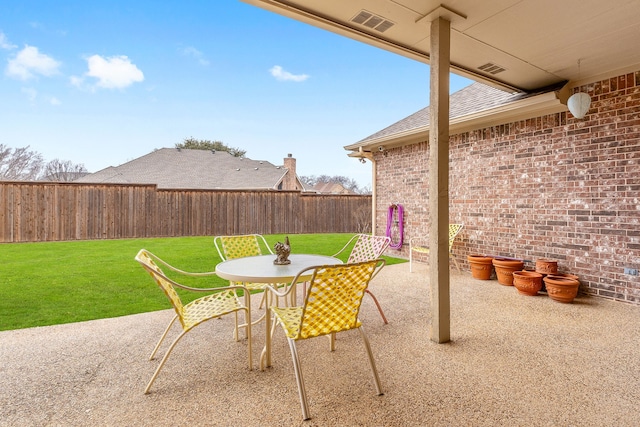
(4, 42)
(116, 72)
(280, 74)
(29, 62)
(194, 53)
(54, 101)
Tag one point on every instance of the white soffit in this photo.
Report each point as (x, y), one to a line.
(537, 42)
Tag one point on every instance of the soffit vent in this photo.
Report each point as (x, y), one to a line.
(491, 68)
(371, 20)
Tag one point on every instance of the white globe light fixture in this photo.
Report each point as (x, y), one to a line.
(579, 104)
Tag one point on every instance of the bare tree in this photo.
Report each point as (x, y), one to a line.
(19, 164)
(363, 219)
(348, 183)
(64, 171)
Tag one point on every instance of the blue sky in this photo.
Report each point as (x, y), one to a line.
(103, 82)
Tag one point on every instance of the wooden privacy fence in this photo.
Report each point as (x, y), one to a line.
(45, 211)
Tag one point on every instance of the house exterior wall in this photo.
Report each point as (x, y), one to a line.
(548, 187)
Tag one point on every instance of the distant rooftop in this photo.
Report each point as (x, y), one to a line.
(193, 169)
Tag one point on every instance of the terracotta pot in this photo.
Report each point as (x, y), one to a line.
(561, 288)
(546, 266)
(505, 268)
(566, 275)
(481, 266)
(527, 282)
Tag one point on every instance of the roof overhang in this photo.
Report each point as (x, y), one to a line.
(516, 45)
(299, 13)
(520, 46)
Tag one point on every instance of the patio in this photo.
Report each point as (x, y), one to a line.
(513, 360)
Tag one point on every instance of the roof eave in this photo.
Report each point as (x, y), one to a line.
(546, 103)
(284, 8)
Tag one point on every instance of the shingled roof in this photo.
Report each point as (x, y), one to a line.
(471, 99)
(331, 188)
(193, 169)
(476, 106)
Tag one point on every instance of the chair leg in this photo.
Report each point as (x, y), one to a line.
(247, 305)
(332, 341)
(236, 335)
(384, 318)
(155, 350)
(247, 328)
(456, 263)
(164, 359)
(262, 299)
(302, 393)
(247, 319)
(372, 362)
(410, 260)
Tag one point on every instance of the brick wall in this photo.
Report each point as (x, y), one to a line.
(548, 187)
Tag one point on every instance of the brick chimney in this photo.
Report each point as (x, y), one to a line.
(290, 182)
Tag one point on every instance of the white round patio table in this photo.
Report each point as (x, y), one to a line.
(261, 269)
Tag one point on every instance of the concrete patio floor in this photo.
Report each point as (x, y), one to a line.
(513, 361)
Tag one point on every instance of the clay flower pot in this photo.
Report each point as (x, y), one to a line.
(481, 266)
(566, 275)
(546, 266)
(505, 268)
(527, 282)
(561, 288)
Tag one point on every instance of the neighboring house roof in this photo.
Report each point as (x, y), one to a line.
(308, 189)
(474, 106)
(331, 188)
(193, 169)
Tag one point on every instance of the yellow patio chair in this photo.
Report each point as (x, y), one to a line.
(231, 247)
(418, 244)
(331, 305)
(219, 302)
(367, 248)
(246, 245)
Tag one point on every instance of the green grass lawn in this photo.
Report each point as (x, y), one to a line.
(61, 282)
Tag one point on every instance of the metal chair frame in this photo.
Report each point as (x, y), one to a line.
(367, 247)
(220, 301)
(414, 245)
(331, 305)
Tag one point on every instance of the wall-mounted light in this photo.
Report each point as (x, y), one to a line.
(579, 104)
(363, 160)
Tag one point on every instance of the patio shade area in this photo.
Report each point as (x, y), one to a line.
(513, 360)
